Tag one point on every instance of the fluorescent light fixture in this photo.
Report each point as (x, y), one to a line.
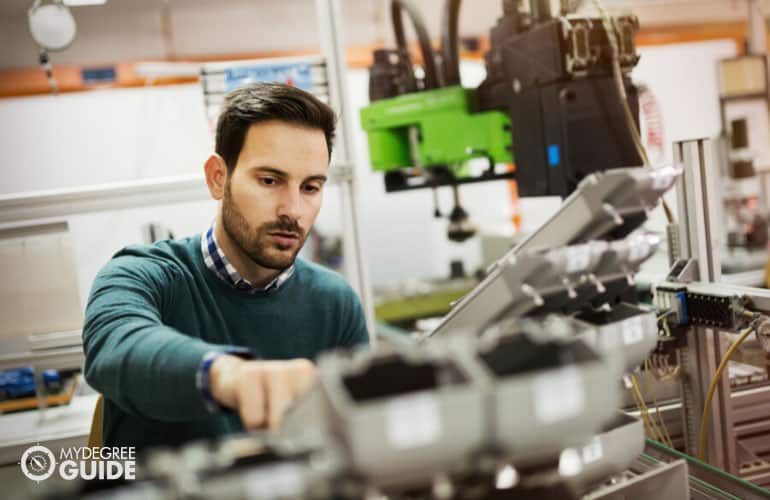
(80, 3)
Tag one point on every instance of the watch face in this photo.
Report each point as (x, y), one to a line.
(38, 463)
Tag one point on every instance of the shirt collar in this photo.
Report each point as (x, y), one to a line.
(217, 262)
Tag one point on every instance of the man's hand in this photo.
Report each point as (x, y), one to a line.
(259, 390)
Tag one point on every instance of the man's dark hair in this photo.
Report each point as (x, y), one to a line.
(260, 102)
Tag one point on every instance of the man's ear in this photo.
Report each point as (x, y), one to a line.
(216, 176)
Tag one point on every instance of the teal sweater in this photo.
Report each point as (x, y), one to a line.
(154, 311)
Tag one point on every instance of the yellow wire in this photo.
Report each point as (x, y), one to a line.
(638, 405)
(618, 77)
(651, 392)
(704, 421)
(656, 432)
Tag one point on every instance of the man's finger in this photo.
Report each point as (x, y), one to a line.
(303, 376)
(251, 395)
(279, 393)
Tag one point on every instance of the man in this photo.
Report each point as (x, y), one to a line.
(205, 336)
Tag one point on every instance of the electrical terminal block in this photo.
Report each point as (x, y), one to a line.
(672, 301)
(716, 310)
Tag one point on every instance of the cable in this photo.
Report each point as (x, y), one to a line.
(704, 421)
(429, 61)
(638, 404)
(618, 78)
(645, 411)
(450, 50)
(651, 392)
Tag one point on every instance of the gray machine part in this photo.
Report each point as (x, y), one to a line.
(605, 206)
(664, 482)
(398, 417)
(536, 413)
(405, 414)
(626, 333)
(549, 281)
(611, 451)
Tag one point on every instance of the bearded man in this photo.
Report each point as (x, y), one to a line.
(205, 336)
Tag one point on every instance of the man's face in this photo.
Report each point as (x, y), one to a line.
(273, 194)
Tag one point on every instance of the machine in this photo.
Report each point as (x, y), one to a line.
(514, 396)
(557, 103)
(531, 386)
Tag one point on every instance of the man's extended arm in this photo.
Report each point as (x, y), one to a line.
(149, 369)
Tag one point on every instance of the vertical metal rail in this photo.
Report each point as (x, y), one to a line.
(329, 15)
(698, 205)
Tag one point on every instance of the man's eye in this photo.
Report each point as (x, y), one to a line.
(267, 181)
(311, 189)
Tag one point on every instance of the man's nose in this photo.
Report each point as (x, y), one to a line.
(290, 204)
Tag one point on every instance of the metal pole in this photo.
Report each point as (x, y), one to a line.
(756, 41)
(700, 239)
(332, 48)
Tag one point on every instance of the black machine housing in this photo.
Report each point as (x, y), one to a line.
(553, 76)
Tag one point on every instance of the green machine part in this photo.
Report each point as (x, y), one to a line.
(447, 130)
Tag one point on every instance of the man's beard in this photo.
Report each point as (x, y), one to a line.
(256, 243)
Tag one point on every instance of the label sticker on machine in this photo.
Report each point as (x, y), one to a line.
(283, 480)
(413, 421)
(639, 249)
(578, 258)
(592, 451)
(558, 395)
(633, 330)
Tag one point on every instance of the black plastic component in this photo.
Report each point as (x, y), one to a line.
(710, 310)
(569, 130)
(394, 376)
(518, 354)
(540, 10)
(554, 79)
(457, 270)
(399, 180)
(385, 75)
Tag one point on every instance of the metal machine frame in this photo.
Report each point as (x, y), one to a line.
(696, 244)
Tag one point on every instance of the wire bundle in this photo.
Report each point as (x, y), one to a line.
(609, 29)
(656, 430)
(450, 67)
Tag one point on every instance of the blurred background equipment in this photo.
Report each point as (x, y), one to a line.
(41, 353)
(53, 28)
(549, 104)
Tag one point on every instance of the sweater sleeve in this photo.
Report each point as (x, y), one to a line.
(147, 368)
(355, 331)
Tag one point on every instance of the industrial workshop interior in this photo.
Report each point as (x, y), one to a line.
(384, 249)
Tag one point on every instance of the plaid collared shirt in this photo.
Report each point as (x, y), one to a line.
(217, 262)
